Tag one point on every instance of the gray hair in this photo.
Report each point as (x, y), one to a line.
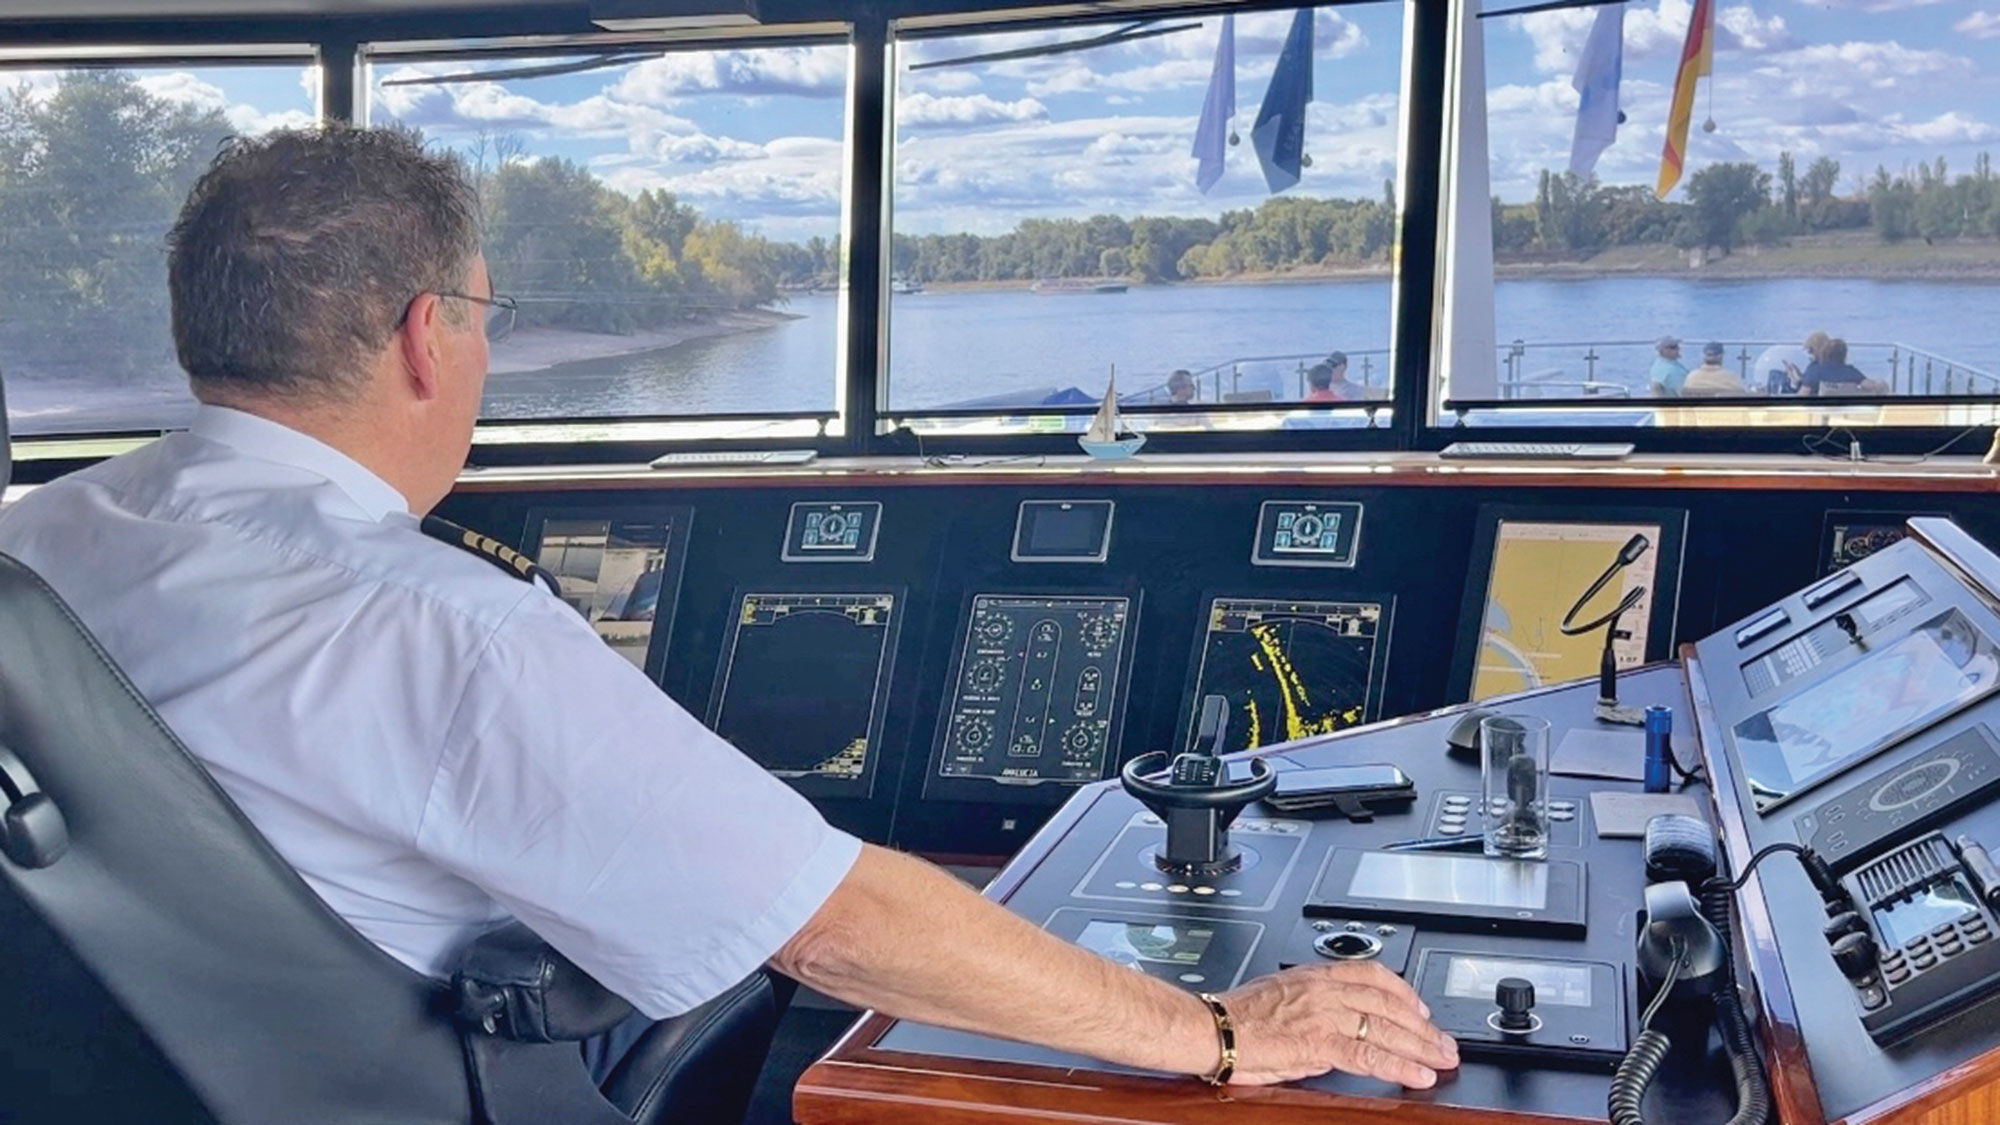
(299, 252)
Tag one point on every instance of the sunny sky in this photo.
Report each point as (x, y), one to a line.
(755, 134)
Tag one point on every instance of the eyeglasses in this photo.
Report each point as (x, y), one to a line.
(500, 313)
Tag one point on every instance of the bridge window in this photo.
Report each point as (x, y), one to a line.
(668, 216)
(1212, 195)
(1835, 181)
(94, 164)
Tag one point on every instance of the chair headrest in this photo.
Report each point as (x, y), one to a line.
(6, 448)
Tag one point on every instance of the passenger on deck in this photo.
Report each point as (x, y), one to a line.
(436, 746)
(1180, 388)
(1668, 373)
(1780, 368)
(1327, 381)
(1712, 379)
(1833, 375)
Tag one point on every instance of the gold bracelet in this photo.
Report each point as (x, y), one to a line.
(1225, 1031)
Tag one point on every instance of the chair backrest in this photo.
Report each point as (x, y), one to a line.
(268, 1005)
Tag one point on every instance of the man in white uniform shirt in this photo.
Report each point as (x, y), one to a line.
(436, 746)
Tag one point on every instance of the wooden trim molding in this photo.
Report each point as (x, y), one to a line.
(1345, 470)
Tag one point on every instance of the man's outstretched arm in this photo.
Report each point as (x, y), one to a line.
(902, 937)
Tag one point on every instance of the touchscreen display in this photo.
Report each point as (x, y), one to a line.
(1563, 984)
(1159, 943)
(1876, 700)
(1459, 879)
(1941, 903)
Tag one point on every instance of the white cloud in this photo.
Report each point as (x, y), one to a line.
(812, 72)
(920, 110)
(183, 88)
(1979, 25)
(944, 80)
(1951, 128)
(1650, 33)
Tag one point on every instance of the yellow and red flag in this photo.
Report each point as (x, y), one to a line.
(1697, 54)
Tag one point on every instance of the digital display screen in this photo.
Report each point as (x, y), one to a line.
(1452, 879)
(1157, 943)
(1536, 573)
(1561, 983)
(1878, 699)
(802, 684)
(1941, 903)
(1063, 530)
(1040, 689)
(614, 572)
(1289, 669)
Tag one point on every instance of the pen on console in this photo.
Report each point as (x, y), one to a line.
(1437, 844)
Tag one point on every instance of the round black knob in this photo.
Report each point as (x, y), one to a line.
(1845, 922)
(1516, 998)
(1855, 954)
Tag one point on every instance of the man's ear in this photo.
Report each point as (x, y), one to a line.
(419, 342)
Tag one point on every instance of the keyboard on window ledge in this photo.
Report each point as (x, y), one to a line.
(723, 458)
(1536, 451)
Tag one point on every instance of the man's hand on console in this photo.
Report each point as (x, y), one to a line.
(908, 940)
(1356, 1017)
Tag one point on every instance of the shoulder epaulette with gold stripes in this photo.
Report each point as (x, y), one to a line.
(490, 549)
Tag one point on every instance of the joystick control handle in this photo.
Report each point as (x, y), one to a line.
(1196, 799)
(1515, 997)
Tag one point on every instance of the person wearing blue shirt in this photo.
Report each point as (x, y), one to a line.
(1668, 372)
(437, 747)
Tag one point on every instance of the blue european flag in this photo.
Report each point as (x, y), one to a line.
(1280, 133)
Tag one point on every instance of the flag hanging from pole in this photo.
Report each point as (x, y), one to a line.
(1280, 133)
(1598, 71)
(1697, 55)
(1211, 137)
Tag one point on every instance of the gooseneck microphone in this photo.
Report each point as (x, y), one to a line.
(1608, 708)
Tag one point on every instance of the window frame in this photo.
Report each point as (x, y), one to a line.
(861, 423)
(1436, 427)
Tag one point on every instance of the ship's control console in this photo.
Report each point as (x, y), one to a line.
(1822, 854)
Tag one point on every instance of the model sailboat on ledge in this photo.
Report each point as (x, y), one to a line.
(1103, 439)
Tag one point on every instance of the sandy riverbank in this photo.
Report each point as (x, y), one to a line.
(538, 349)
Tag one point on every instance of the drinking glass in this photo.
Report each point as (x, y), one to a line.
(1514, 772)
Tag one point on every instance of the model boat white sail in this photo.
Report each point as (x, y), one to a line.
(1104, 437)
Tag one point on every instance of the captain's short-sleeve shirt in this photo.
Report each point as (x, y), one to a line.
(433, 744)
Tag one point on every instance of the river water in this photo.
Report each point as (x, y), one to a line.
(952, 346)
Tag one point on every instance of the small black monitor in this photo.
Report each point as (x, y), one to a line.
(622, 573)
(1063, 531)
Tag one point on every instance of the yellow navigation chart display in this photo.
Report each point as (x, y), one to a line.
(1538, 571)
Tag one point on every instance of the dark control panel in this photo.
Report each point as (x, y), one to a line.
(1307, 533)
(1903, 798)
(833, 654)
(1038, 693)
(1542, 1008)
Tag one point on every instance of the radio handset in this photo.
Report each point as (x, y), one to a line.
(1916, 940)
(1683, 957)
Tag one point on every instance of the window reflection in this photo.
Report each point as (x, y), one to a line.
(1836, 192)
(1148, 197)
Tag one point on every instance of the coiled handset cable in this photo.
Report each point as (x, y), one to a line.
(1641, 1063)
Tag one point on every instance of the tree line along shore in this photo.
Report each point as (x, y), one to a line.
(93, 170)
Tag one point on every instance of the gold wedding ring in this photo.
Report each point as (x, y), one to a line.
(1361, 1030)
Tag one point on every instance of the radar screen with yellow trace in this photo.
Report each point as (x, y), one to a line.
(1290, 668)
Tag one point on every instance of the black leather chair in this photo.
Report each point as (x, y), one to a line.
(160, 962)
